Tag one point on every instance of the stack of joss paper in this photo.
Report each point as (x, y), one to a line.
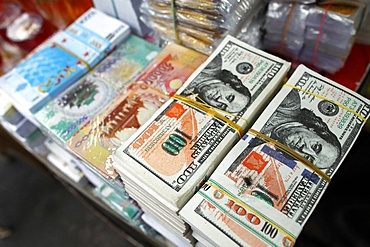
(95, 142)
(266, 188)
(68, 55)
(62, 117)
(166, 160)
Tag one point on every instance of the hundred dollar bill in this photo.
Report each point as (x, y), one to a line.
(98, 139)
(181, 144)
(216, 211)
(260, 168)
(315, 117)
(248, 177)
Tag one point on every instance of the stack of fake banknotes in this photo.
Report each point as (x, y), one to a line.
(95, 141)
(165, 161)
(68, 55)
(265, 189)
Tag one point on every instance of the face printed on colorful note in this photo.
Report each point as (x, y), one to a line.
(223, 97)
(308, 144)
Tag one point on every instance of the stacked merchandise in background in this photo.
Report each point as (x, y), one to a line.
(320, 34)
(99, 138)
(163, 163)
(330, 34)
(127, 11)
(266, 188)
(72, 53)
(285, 28)
(199, 25)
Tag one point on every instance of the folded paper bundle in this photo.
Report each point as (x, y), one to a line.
(163, 163)
(265, 189)
(71, 54)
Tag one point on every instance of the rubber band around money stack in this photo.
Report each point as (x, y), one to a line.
(168, 158)
(265, 189)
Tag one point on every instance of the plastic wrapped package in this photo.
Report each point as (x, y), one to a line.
(291, 47)
(187, 40)
(321, 60)
(334, 44)
(199, 25)
(251, 32)
(339, 40)
(243, 14)
(330, 33)
(289, 15)
(183, 15)
(209, 6)
(325, 30)
(289, 40)
(341, 18)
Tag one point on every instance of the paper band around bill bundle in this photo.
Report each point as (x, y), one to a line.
(73, 55)
(323, 98)
(292, 153)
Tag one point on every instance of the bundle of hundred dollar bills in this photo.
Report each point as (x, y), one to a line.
(265, 189)
(166, 160)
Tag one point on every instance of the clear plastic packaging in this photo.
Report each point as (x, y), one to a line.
(323, 61)
(251, 32)
(280, 15)
(199, 25)
(331, 43)
(285, 28)
(343, 19)
(291, 46)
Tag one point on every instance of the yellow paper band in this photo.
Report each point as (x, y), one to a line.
(210, 111)
(204, 107)
(174, 20)
(244, 205)
(292, 153)
(74, 55)
(333, 102)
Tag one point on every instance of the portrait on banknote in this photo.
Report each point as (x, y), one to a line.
(220, 88)
(302, 131)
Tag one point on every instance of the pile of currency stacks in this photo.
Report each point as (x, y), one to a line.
(70, 54)
(95, 141)
(265, 189)
(163, 164)
(200, 25)
(317, 34)
(88, 97)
